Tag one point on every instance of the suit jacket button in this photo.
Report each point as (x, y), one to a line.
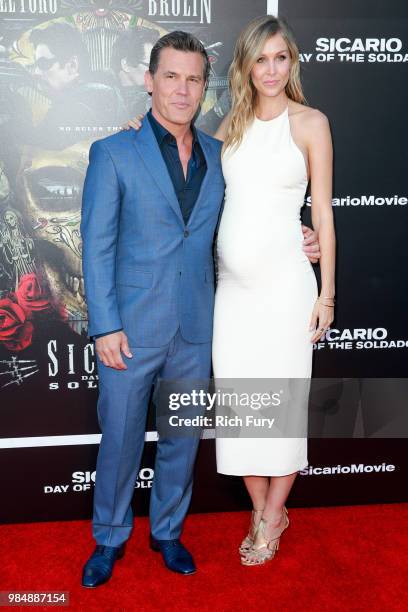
(186, 233)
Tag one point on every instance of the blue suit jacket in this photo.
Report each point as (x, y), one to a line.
(144, 269)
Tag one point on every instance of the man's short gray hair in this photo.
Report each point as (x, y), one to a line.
(180, 41)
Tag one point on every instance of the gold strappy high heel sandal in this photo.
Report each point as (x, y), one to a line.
(248, 541)
(264, 550)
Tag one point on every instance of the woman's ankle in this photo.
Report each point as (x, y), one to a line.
(273, 516)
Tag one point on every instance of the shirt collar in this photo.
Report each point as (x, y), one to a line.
(161, 133)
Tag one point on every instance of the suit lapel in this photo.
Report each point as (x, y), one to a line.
(209, 158)
(146, 145)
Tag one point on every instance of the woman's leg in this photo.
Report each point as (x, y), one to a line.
(278, 492)
(257, 487)
(274, 522)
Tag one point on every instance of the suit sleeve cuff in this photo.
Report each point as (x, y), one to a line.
(107, 333)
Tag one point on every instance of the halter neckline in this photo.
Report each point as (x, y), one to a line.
(273, 118)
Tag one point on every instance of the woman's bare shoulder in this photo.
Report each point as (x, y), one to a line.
(310, 123)
(306, 113)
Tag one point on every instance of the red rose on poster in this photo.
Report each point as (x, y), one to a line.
(30, 294)
(15, 331)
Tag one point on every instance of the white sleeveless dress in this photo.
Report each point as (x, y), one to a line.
(266, 285)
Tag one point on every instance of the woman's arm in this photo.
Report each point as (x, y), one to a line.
(320, 153)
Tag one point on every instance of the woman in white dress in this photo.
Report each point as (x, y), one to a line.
(267, 311)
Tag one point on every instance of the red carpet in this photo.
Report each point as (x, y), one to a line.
(348, 558)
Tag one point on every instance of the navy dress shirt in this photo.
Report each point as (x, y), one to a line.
(187, 188)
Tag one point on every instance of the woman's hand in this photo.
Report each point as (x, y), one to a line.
(322, 318)
(311, 245)
(135, 123)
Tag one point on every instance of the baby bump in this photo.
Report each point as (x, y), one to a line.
(253, 249)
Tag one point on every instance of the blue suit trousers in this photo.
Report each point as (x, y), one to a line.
(122, 412)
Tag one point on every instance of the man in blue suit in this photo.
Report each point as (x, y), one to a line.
(151, 203)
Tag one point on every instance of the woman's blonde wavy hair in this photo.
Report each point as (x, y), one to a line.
(243, 93)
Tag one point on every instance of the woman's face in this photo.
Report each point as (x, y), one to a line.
(270, 72)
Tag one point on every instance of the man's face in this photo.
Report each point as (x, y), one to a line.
(53, 76)
(177, 87)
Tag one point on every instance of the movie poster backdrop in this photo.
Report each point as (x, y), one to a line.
(354, 59)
